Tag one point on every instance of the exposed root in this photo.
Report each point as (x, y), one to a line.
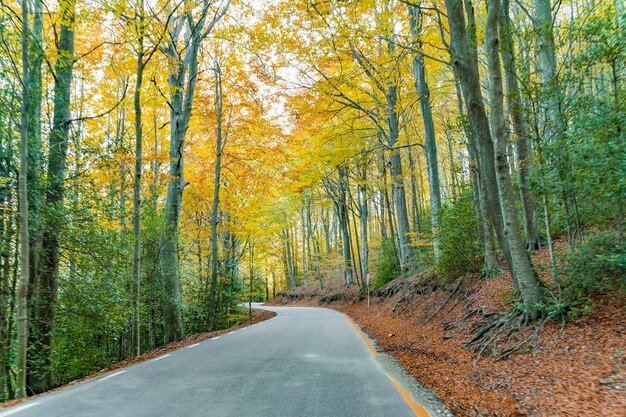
(433, 314)
(499, 334)
(389, 290)
(336, 296)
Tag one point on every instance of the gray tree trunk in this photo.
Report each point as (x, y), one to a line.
(406, 251)
(551, 103)
(182, 79)
(326, 227)
(491, 266)
(305, 264)
(7, 298)
(417, 212)
(465, 66)
(548, 70)
(430, 144)
(41, 364)
(34, 159)
(292, 277)
(22, 292)
(521, 267)
(316, 255)
(364, 215)
(520, 128)
(217, 180)
(342, 210)
(137, 181)
(382, 195)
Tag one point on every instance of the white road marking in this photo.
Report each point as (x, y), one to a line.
(216, 337)
(160, 357)
(194, 345)
(18, 409)
(231, 333)
(111, 376)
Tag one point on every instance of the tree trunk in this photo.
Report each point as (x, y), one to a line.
(342, 210)
(22, 292)
(465, 66)
(219, 110)
(34, 163)
(305, 264)
(137, 184)
(326, 227)
(41, 364)
(364, 212)
(382, 195)
(292, 278)
(393, 236)
(521, 267)
(520, 129)
(172, 323)
(417, 212)
(182, 78)
(7, 298)
(399, 197)
(430, 144)
(491, 266)
(454, 183)
(316, 255)
(551, 104)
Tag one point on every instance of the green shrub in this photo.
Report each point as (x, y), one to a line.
(459, 244)
(387, 267)
(597, 265)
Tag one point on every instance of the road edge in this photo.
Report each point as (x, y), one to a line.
(150, 355)
(422, 401)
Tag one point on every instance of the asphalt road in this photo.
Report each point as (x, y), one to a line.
(305, 362)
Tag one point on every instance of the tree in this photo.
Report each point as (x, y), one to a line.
(520, 128)
(430, 144)
(182, 78)
(219, 149)
(467, 67)
(58, 139)
(22, 294)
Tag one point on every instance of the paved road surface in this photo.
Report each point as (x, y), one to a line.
(306, 362)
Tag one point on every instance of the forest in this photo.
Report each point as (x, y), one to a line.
(163, 162)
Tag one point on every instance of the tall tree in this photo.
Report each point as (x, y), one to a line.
(521, 266)
(22, 293)
(182, 78)
(430, 144)
(466, 63)
(519, 125)
(35, 148)
(41, 365)
(143, 55)
(220, 140)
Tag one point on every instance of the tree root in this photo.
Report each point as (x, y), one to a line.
(456, 288)
(497, 334)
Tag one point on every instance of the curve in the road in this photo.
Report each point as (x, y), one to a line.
(305, 362)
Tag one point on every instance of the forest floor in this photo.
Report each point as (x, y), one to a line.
(576, 368)
(257, 316)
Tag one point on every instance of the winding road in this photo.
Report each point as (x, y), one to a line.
(305, 362)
